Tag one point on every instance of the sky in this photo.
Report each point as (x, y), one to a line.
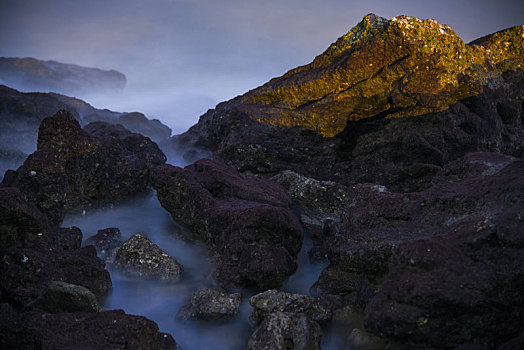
(182, 57)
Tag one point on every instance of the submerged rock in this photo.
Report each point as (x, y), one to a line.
(210, 304)
(106, 242)
(138, 256)
(82, 330)
(66, 297)
(76, 169)
(245, 222)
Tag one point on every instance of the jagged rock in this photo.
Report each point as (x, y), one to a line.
(106, 242)
(82, 330)
(138, 256)
(67, 297)
(76, 169)
(318, 201)
(401, 153)
(245, 222)
(30, 74)
(360, 340)
(286, 331)
(271, 301)
(210, 304)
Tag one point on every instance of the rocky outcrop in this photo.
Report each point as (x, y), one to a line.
(80, 330)
(210, 304)
(30, 74)
(140, 257)
(245, 222)
(76, 169)
(448, 255)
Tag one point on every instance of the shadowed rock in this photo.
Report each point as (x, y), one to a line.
(245, 222)
(66, 297)
(106, 242)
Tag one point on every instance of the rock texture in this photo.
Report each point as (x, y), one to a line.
(30, 74)
(210, 304)
(245, 222)
(81, 330)
(106, 242)
(76, 169)
(67, 297)
(140, 257)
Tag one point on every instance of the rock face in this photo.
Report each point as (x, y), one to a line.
(30, 74)
(210, 304)
(245, 222)
(448, 255)
(66, 297)
(394, 68)
(138, 256)
(76, 169)
(81, 330)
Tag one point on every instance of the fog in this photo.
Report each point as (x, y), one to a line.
(181, 57)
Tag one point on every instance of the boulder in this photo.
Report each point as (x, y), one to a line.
(82, 330)
(106, 242)
(245, 222)
(66, 297)
(210, 304)
(140, 257)
(286, 331)
(76, 169)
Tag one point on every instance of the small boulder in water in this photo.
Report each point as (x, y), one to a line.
(211, 304)
(106, 242)
(140, 257)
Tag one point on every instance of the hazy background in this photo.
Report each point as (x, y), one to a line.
(181, 57)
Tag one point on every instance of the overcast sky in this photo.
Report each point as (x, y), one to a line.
(183, 56)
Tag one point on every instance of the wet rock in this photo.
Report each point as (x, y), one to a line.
(66, 297)
(26, 272)
(83, 330)
(76, 169)
(272, 301)
(245, 222)
(360, 340)
(286, 331)
(210, 304)
(140, 257)
(106, 242)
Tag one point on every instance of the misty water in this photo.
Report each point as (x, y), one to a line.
(160, 301)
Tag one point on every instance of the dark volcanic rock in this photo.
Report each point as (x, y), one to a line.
(91, 330)
(138, 256)
(26, 272)
(450, 255)
(66, 297)
(245, 222)
(76, 169)
(106, 242)
(210, 304)
(30, 74)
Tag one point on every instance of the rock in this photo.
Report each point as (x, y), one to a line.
(271, 301)
(31, 74)
(66, 297)
(75, 169)
(106, 242)
(286, 331)
(403, 154)
(210, 304)
(26, 272)
(378, 221)
(360, 340)
(138, 256)
(245, 222)
(318, 201)
(83, 330)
